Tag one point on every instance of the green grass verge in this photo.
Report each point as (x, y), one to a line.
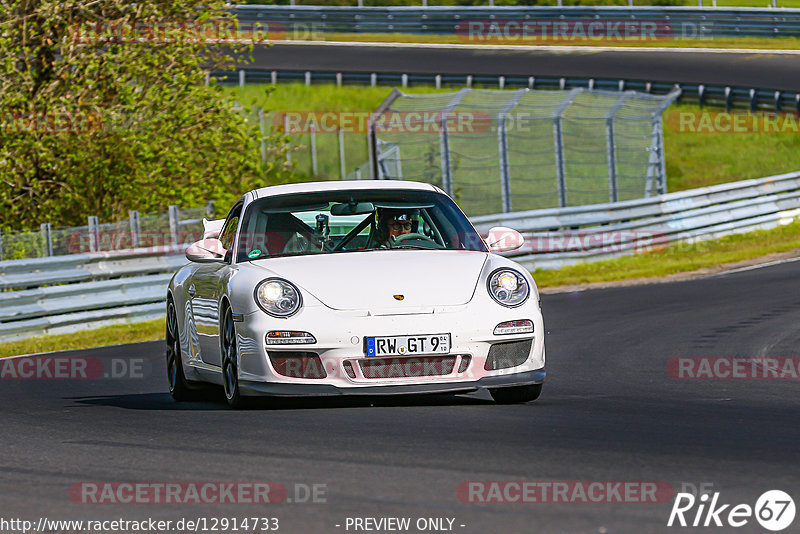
(767, 43)
(107, 335)
(677, 258)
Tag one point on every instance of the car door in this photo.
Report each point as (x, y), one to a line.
(205, 290)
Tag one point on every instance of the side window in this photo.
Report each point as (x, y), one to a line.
(229, 230)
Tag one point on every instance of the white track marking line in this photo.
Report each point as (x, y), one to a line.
(754, 267)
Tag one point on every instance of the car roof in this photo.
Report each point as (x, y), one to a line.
(341, 185)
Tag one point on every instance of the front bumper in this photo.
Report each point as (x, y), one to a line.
(326, 390)
(340, 343)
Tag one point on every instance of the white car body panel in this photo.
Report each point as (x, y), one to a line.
(347, 297)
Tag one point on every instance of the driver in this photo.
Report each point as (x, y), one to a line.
(394, 223)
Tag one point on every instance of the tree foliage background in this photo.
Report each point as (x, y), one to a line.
(97, 120)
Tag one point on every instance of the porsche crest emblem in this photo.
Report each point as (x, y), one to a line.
(398, 297)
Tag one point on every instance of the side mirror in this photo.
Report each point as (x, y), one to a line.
(502, 239)
(206, 251)
(212, 228)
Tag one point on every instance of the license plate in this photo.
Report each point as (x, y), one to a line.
(408, 345)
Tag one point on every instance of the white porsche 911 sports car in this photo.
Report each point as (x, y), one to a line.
(364, 287)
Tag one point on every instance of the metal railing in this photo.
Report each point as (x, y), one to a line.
(492, 4)
(65, 294)
(154, 229)
(705, 95)
(673, 22)
(558, 237)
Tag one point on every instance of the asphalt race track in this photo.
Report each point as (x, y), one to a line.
(609, 412)
(765, 69)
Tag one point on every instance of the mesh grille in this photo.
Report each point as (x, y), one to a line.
(408, 367)
(509, 354)
(297, 364)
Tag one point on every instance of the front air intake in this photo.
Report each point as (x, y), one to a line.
(508, 354)
(297, 364)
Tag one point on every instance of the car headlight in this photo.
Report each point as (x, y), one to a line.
(278, 297)
(508, 287)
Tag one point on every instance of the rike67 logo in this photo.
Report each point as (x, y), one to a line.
(774, 510)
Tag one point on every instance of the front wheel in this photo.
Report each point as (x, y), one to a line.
(516, 394)
(230, 363)
(178, 387)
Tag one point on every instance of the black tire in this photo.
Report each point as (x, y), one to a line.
(178, 386)
(230, 363)
(516, 394)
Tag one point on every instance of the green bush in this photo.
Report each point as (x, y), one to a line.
(96, 121)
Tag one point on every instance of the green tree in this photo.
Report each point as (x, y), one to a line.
(105, 107)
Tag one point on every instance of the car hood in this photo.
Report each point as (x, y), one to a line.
(371, 280)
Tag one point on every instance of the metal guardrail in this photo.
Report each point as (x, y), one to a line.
(717, 96)
(559, 237)
(682, 22)
(67, 293)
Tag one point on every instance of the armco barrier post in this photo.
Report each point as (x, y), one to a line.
(94, 234)
(173, 224)
(48, 237)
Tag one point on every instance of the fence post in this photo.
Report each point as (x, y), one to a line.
(173, 224)
(136, 229)
(241, 78)
(502, 146)
(273, 77)
(308, 77)
(558, 138)
(1, 245)
(48, 237)
(611, 148)
(286, 132)
(94, 234)
(373, 79)
(342, 165)
(261, 128)
(313, 132)
(444, 142)
(338, 79)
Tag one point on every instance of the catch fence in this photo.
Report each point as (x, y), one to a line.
(502, 151)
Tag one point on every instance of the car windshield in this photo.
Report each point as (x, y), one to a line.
(332, 222)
